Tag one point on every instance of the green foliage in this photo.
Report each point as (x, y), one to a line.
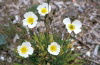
(17, 64)
(41, 56)
(33, 9)
(11, 30)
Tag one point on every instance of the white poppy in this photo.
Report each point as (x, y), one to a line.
(74, 26)
(25, 49)
(30, 19)
(54, 48)
(44, 9)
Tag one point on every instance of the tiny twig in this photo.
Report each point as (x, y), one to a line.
(97, 62)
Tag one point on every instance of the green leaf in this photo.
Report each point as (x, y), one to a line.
(17, 64)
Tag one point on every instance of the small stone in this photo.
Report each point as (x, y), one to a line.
(9, 60)
(2, 39)
(79, 47)
(15, 38)
(88, 53)
(2, 58)
(72, 49)
(16, 19)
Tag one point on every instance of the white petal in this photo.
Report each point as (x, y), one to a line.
(49, 8)
(54, 53)
(24, 55)
(45, 5)
(41, 13)
(67, 21)
(39, 7)
(18, 48)
(53, 43)
(77, 24)
(27, 14)
(77, 30)
(35, 17)
(30, 50)
(26, 43)
(32, 25)
(69, 30)
(25, 22)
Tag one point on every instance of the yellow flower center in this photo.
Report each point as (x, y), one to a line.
(30, 20)
(53, 48)
(71, 27)
(24, 49)
(44, 10)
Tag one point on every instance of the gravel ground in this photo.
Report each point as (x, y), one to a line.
(88, 11)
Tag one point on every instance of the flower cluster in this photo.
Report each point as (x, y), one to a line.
(30, 21)
(30, 17)
(25, 49)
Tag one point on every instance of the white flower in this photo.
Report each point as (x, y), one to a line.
(30, 19)
(74, 26)
(54, 48)
(25, 49)
(44, 9)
